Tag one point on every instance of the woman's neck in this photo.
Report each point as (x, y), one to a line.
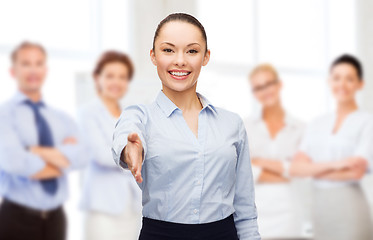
(186, 100)
(112, 105)
(344, 108)
(273, 113)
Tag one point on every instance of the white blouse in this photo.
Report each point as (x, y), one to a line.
(280, 212)
(282, 147)
(354, 138)
(106, 188)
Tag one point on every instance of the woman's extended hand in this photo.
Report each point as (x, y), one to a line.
(133, 155)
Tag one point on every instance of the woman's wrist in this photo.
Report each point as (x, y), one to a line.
(286, 169)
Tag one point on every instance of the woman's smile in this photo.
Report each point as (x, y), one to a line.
(179, 74)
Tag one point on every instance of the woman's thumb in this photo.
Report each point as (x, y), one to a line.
(133, 137)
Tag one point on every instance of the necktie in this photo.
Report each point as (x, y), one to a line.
(45, 139)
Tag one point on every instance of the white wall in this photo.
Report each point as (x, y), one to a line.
(364, 37)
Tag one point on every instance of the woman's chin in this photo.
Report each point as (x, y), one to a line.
(343, 99)
(178, 87)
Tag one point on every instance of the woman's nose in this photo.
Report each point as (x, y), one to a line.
(180, 60)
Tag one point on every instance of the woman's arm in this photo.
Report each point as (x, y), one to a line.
(272, 170)
(271, 177)
(129, 145)
(245, 215)
(303, 166)
(270, 165)
(355, 172)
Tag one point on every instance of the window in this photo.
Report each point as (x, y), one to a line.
(300, 38)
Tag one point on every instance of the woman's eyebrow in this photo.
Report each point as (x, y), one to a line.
(168, 44)
(193, 44)
(173, 45)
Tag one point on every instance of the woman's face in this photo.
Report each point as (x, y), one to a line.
(179, 53)
(266, 88)
(112, 82)
(344, 82)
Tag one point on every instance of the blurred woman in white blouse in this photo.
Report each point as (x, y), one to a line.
(336, 150)
(111, 198)
(274, 136)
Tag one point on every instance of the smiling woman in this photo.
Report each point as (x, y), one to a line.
(179, 58)
(190, 158)
(336, 151)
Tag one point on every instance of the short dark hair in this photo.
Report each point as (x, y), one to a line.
(352, 60)
(183, 17)
(23, 45)
(114, 56)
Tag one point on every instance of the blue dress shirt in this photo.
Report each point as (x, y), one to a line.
(103, 177)
(17, 164)
(187, 179)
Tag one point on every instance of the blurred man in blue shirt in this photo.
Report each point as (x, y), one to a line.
(38, 147)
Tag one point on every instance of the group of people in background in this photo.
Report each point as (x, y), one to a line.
(335, 150)
(40, 145)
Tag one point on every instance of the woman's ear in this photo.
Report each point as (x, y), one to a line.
(152, 57)
(206, 58)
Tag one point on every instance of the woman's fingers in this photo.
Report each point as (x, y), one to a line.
(138, 174)
(134, 156)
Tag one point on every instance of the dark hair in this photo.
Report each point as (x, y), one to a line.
(183, 17)
(113, 56)
(349, 59)
(23, 45)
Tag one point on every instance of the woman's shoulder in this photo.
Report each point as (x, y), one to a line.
(365, 115)
(321, 119)
(220, 113)
(92, 108)
(253, 121)
(227, 114)
(140, 108)
(294, 122)
(362, 117)
(230, 120)
(136, 112)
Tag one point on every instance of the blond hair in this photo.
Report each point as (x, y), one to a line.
(265, 67)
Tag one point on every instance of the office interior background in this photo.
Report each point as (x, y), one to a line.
(299, 37)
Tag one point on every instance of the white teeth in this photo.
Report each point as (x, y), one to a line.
(179, 73)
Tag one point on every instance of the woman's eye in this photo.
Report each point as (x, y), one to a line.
(193, 51)
(167, 50)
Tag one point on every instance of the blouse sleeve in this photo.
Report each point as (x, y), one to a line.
(364, 144)
(245, 215)
(132, 119)
(96, 143)
(304, 140)
(257, 171)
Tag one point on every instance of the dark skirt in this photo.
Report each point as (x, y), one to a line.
(160, 230)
